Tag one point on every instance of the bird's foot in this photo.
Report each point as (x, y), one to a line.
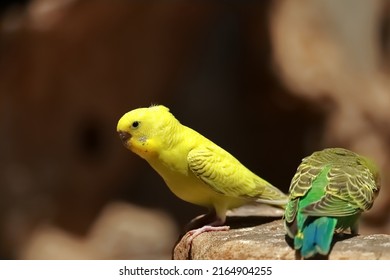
(195, 232)
(184, 246)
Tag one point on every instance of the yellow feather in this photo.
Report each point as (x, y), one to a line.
(194, 168)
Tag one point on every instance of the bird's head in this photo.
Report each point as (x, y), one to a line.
(142, 129)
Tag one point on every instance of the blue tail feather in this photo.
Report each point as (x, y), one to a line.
(317, 237)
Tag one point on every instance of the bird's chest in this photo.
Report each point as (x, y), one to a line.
(173, 168)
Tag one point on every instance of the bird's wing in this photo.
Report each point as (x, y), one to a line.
(221, 171)
(291, 210)
(301, 183)
(351, 189)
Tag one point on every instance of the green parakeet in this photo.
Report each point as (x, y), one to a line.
(329, 191)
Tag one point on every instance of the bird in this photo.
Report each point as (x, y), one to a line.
(327, 194)
(193, 167)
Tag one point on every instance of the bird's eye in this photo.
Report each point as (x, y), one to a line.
(135, 124)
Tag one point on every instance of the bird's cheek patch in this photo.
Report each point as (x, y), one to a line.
(142, 139)
(142, 148)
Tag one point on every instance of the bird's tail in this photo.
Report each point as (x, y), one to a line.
(273, 196)
(316, 237)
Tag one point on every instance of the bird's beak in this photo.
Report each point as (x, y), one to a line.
(124, 136)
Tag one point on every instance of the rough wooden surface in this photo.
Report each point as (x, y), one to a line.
(268, 241)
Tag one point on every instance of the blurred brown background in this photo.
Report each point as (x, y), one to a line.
(269, 81)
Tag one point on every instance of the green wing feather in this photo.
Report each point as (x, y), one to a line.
(350, 191)
(226, 175)
(351, 188)
(301, 183)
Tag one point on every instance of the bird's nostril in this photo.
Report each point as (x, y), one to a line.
(124, 136)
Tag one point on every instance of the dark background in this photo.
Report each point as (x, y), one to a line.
(235, 71)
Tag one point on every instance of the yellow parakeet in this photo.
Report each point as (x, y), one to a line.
(194, 168)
